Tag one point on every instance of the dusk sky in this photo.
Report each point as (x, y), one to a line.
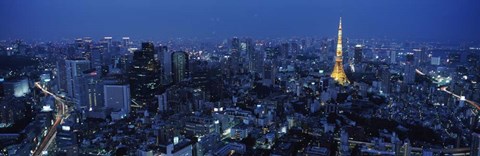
(431, 20)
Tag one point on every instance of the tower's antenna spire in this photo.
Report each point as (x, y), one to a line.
(340, 25)
(338, 74)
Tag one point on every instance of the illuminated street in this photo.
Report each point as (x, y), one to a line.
(61, 107)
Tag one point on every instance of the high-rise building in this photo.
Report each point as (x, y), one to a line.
(117, 98)
(409, 70)
(358, 56)
(179, 66)
(235, 60)
(61, 75)
(74, 70)
(91, 90)
(144, 76)
(108, 41)
(421, 56)
(162, 102)
(126, 42)
(251, 53)
(385, 79)
(164, 59)
(393, 57)
(269, 72)
(97, 58)
(338, 74)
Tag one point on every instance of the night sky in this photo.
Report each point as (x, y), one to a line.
(430, 20)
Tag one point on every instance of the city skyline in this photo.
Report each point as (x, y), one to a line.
(155, 20)
(226, 78)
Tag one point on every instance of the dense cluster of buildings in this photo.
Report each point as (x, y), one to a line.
(299, 96)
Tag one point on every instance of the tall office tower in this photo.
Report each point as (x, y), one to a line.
(259, 61)
(385, 79)
(421, 56)
(144, 79)
(409, 70)
(160, 54)
(270, 72)
(97, 58)
(338, 74)
(162, 102)
(475, 144)
(117, 98)
(250, 49)
(235, 47)
(358, 55)
(393, 57)
(61, 75)
(234, 60)
(126, 42)
(108, 41)
(180, 66)
(85, 50)
(91, 90)
(166, 64)
(74, 70)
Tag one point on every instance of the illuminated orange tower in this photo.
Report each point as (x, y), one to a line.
(338, 73)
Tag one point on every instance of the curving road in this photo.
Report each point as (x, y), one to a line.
(52, 131)
(444, 88)
(474, 104)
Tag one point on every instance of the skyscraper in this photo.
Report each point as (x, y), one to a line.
(126, 42)
(409, 70)
(251, 53)
(358, 56)
(338, 74)
(61, 76)
(164, 58)
(74, 70)
(180, 66)
(393, 57)
(91, 90)
(144, 79)
(162, 102)
(235, 59)
(108, 41)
